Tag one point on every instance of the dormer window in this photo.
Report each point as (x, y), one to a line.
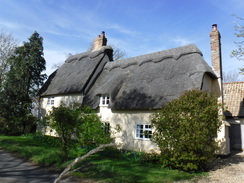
(104, 100)
(50, 101)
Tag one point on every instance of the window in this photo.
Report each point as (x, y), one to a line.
(143, 131)
(104, 100)
(50, 101)
(106, 128)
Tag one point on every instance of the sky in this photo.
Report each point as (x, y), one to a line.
(134, 26)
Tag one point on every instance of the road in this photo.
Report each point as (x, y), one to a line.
(15, 170)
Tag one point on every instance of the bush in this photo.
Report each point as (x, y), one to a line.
(65, 120)
(92, 132)
(185, 131)
(77, 126)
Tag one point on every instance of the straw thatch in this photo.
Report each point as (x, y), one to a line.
(143, 82)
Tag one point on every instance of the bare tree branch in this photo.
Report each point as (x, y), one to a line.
(232, 77)
(77, 160)
(239, 51)
(7, 45)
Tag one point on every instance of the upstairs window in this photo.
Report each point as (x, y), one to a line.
(143, 131)
(104, 100)
(50, 101)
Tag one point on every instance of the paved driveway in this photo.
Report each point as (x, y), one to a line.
(16, 170)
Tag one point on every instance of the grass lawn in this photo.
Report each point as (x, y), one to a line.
(109, 165)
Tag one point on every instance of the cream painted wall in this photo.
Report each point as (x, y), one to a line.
(223, 135)
(67, 99)
(45, 108)
(127, 120)
(207, 83)
(223, 139)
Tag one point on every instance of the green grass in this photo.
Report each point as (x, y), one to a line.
(109, 165)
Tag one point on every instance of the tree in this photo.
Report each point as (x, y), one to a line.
(239, 52)
(22, 84)
(7, 45)
(232, 77)
(185, 131)
(65, 120)
(118, 53)
(77, 126)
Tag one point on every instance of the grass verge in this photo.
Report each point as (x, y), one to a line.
(107, 166)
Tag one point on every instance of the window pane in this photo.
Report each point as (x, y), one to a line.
(143, 131)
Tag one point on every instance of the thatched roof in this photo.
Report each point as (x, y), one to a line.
(142, 82)
(76, 73)
(149, 81)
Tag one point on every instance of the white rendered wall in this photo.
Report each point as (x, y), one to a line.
(45, 108)
(127, 120)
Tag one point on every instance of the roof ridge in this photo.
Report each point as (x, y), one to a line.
(158, 57)
(236, 82)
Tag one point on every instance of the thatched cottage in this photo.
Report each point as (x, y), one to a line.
(126, 92)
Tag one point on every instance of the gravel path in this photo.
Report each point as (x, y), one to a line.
(227, 170)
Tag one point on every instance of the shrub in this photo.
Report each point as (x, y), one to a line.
(92, 132)
(77, 126)
(185, 131)
(64, 120)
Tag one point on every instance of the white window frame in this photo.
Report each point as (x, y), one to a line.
(141, 131)
(50, 101)
(104, 100)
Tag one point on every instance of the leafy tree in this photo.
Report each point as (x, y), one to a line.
(8, 44)
(22, 84)
(185, 131)
(64, 120)
(77, 126)
(239, 52)
(92, 131)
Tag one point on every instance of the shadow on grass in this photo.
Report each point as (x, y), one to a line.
(108, 166)
(110, 169)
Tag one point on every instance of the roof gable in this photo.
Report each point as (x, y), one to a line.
(76, 72)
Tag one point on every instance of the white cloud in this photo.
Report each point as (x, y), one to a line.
(53, 57)
(180, 41)
(122, 29)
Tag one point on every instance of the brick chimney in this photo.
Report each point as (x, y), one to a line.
(216, 50)
(99, 42)
(222, 138)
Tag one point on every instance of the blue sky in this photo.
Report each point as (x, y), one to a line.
(135, 26)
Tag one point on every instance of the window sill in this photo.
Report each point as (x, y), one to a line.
(142, 139)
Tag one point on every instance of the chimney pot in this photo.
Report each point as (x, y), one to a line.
(100, 41)
(214, 27)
